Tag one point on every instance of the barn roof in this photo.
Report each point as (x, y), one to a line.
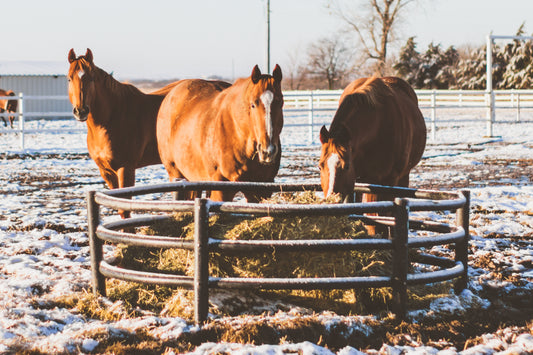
(33, 68)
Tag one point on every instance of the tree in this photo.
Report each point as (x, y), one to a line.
(375, 28)
(408, 63)
(329, 62)
(294, 71)
(435, 69)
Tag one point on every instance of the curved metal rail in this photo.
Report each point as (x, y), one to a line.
(406, 200)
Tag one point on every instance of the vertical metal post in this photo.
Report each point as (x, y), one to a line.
(201, 259)
(311, 116)
(400, 256)
(268, 36)
(433, 114)
(95, 244)
(21, 120)
(489, 90)
(461, 247)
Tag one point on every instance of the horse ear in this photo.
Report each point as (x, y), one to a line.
(324, 135)
(71, 55)
(89, 56)
(277, 73)
(256, 74)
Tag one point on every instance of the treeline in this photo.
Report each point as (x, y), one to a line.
(448, 69)
(329, 65)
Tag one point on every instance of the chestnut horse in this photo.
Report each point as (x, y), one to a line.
(215, 131)
(377, 136)
(7, 105)
(121, 120)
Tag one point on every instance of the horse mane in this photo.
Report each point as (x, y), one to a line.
(118, 88)
(109, 82)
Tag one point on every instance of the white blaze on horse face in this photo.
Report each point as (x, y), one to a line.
(333, 163)
(81, 73)
(267, 97)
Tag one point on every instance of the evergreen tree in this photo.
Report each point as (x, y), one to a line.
(408, 63)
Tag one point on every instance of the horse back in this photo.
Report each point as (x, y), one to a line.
(388, 133)
(187, 96)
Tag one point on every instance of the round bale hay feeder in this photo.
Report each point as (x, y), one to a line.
(406, 234)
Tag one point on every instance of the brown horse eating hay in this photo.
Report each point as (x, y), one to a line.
(121, 120)
(215, 131)
(377, 136)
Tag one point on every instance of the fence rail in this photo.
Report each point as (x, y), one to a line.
(312, 109)
(406, 201)
(314, 103)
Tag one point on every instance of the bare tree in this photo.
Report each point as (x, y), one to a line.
(374, 26)
(294, 71)
(329, 62)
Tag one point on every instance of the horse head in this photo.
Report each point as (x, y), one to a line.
(264, 101)
(336, 173)
(81, 88)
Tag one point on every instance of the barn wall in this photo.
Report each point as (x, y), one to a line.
(39, 85)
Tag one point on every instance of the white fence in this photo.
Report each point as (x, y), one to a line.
(306, 111)
(320, 106)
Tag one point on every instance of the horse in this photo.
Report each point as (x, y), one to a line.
(9, 106)
(216, 131)
(377, 135)
(121, 120)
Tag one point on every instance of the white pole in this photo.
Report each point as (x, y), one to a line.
(21, 119)
(433, 115)
(489, 90)
(311, 116)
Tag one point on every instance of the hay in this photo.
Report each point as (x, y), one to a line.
(276, 264)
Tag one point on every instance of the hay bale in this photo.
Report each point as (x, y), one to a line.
(278, 264)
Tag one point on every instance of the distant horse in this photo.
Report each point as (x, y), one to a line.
(215, 131)
(121, 120)
(9, 106)
(377, 136)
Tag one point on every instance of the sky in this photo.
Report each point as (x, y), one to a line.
(160, 39)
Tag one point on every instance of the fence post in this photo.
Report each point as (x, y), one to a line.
(433, 114)
(95, 244)
(489, 89)
(461, 248)
(517, 107)
(21, 119)
(201, 260)
(400, 256)
(311, 116)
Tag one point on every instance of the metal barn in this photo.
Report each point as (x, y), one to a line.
(37, 79)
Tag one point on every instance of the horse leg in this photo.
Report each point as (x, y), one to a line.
(222, 195)
(404, 181)
(3, 118)
(366, 197)
(126, 178)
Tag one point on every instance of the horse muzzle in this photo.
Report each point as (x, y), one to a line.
(81, 114)
(267, 156)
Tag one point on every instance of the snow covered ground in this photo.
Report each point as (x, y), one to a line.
(44, 251)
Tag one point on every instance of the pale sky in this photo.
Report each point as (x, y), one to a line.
(199, 38)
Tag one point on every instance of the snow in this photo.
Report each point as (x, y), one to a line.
(44, 252)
